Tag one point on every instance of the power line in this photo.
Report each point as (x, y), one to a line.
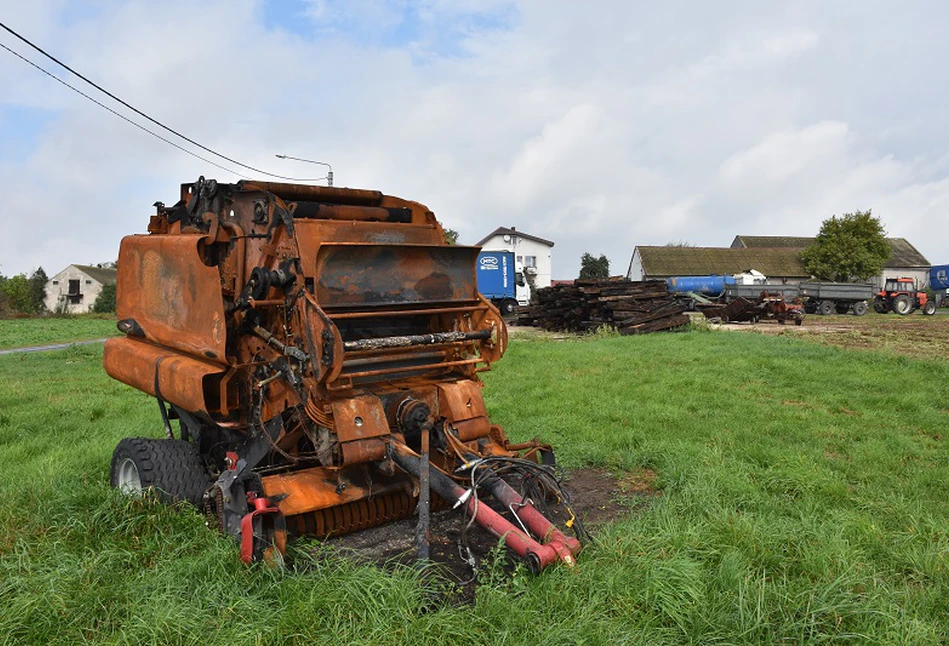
(119, 115)
(136, 110)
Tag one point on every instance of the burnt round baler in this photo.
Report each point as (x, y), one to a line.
(320, 349)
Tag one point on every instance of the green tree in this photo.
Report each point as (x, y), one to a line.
(850, 247)
(592, 267)
(451, 236)
(5, 309)
(19, 294)
(38, 282)
(105, 301)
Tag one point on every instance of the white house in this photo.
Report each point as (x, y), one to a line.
(532, 252)
(75, 288)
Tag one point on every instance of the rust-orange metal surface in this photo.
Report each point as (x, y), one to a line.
(172, 294)
(186, 381)
(318, 488)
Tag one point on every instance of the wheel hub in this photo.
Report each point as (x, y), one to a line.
(129, 480)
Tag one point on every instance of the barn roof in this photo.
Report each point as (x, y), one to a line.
(99, 274)
(902, 253)
(701, 261)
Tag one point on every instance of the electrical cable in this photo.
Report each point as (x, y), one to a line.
(119, 115)
(137, 111)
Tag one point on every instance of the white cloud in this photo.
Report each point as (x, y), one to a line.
(597, 126)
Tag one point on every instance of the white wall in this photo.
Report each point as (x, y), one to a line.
(57, 289)
(635, 271)
(525, 248)
(921, 276)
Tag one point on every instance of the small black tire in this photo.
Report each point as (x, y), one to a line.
(929, 308)
(172, 468)
(826, 308)
(507, 306)
(860, 308)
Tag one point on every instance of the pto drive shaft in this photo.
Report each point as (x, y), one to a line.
(537, 556)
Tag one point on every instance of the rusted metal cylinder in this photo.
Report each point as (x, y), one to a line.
(320, 211)
(536, 555)
(415, 339)
(293, 192)
(533, 519)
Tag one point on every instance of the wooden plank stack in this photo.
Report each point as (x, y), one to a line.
(630, 307)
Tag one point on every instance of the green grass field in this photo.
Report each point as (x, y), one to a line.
(803, 500)
(19, 333)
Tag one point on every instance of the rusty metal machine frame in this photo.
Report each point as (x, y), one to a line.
(320, 348)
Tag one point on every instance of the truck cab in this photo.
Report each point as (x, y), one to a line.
(522, 289)
(501, 279)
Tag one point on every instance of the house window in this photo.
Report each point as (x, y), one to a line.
(530, 261)
(55, 282)
(74, 287)
(520, 259)
(88, 282)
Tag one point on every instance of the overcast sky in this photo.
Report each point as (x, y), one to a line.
(598, 125)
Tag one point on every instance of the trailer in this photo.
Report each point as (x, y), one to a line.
(754, 292)
(840, 298)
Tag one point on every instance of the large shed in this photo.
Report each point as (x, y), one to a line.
(905, 259)
(778, 264)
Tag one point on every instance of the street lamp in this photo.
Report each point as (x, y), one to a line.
(329, 174)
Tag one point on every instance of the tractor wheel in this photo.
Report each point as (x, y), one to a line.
(879, 306)
(826, 308)
(929, 308)
(860, 308)
(507, 306)
(172, 467)
(902, 305)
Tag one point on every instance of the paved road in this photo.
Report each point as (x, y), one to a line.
(55, 346)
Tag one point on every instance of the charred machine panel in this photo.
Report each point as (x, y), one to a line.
(320, 349)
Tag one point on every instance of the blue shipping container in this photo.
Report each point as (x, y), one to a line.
(939, 277)
(712, 285)
(496, 274)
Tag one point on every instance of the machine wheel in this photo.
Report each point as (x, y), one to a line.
(860, 308)
(902, 305)
(826, 308)
(879, 306)
(507, 306)
(929, 308)
(172, 467)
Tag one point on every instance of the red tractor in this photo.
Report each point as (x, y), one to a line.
(900, 295)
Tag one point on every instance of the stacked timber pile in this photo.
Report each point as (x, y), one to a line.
(632, 308)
